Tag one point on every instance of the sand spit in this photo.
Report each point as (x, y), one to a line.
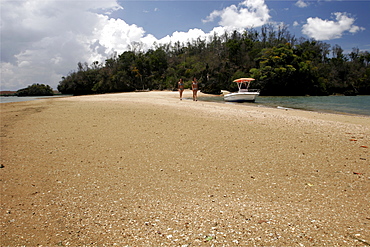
(146, 169)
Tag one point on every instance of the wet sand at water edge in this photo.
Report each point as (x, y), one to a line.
(146, 169)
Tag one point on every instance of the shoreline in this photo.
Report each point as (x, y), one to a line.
(130, 170)
(261, 102)
(281, 105)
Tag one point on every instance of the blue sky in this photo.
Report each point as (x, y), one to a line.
(162, 18)
(43, 40)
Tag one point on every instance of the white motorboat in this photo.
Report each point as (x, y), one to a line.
(244, 94)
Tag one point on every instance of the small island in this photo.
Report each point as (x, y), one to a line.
(35, 90)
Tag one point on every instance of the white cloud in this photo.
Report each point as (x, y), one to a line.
(41, 41)
(301, 4)
(295, 24)
(190, 35)
(330, 29)
(44, 40)
(250, 13)
(184, 36)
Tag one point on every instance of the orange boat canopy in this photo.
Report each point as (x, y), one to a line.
(243, 80)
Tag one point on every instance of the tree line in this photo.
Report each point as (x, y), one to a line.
(281, 64)
(35, 90)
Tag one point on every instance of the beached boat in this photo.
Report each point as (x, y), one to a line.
(244, 94)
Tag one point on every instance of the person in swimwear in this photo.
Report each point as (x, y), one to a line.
(181, 87)
(194, 87)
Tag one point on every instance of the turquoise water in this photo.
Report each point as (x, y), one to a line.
(359, 105)
(10, 99)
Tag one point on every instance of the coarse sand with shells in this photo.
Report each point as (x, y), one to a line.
(146, 169)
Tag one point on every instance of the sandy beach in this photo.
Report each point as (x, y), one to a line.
(146, 169)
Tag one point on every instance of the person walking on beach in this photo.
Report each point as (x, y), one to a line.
(194, 87)
(181, 87)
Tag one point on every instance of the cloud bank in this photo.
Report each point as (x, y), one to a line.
(250, 13)
(301, 4)
(43, 40)
(330, 29)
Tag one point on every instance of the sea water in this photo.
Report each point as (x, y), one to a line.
(11, 99)
(359, 105)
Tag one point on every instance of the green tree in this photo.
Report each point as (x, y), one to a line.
(277, 71)
(36, 90)
(280, 63)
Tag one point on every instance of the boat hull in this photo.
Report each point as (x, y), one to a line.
(241, 97)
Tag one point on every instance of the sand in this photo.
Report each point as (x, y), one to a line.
(146, 169)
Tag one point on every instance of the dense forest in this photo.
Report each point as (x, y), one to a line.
(280, 63)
